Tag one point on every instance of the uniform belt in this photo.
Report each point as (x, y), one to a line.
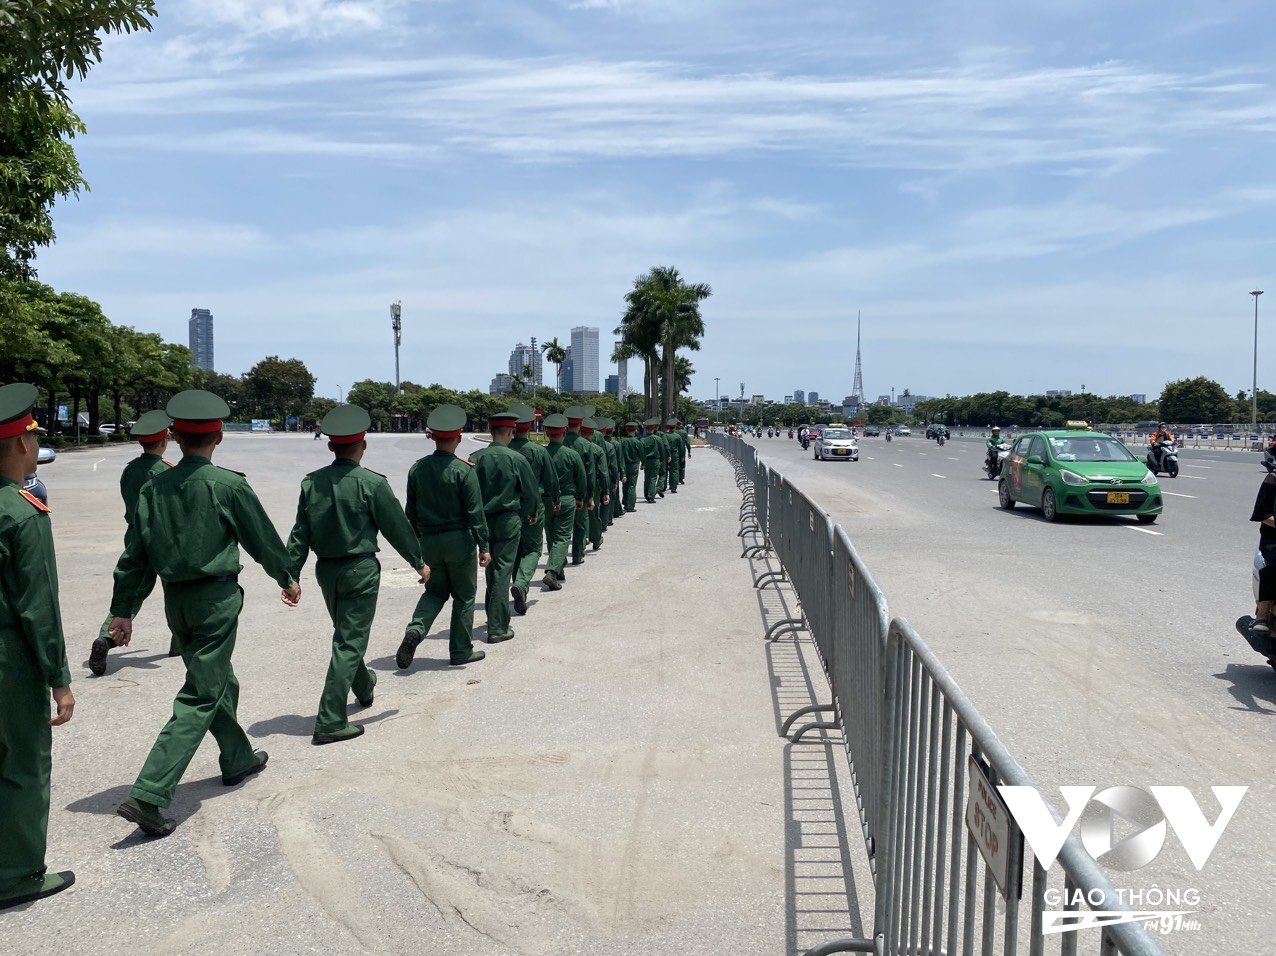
(211, 579)
(346, 557)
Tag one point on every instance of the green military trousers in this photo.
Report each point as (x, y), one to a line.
(531, 543)
(617, 500)
(453, 574)
(675, 477)
(204, 619)
(559, 532)
(26, 760)
(505, 532)
(662, 473)
(349, 587)
(597, 521)
(651, 480)
(580, 530)
(631, 490)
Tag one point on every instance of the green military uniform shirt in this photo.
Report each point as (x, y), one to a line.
(135, 475)
(506, 481)
(31, 641)
(573, 481)
(443, 496)
(542, 467)
(585, 451)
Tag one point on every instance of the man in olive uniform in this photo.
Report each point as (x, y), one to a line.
(685, 454)
(151, 432)
(674, 442)
(572, 494)
(617, 506)
(602, 499)
(651, 456)
(191, 520)
(580, 531)
(511, 497)
(631, 457)
(533, 539)
(342, 508)
(445, 508)
(33, 660)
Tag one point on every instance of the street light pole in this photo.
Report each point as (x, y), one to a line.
(717, 398)
(1253, 395)
(396, 323)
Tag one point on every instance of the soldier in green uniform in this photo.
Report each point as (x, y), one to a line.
(685, 454)
(342, 508)
(602, 498)
(580, 531)
(191, 520)
(33, 660)
(675, 448)
(532, 541)
(614, 463)
(665, 449)
(651, 455)
(511, 498)
(151, 432)
(572, 494)
(631, 457)
(445, 508)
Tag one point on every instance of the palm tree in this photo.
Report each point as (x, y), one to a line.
(669, 307)
(639, 338)
(555, 353)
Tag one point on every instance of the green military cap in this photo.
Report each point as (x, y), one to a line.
(346, 424)
(446, 422)
(555, 421)
(632, 425)
(525, 413)
(506, 419)
(16, 402)
(578, 413)
(590, 410)
(605, 424)
(151, 427)
(651, 421)
(197, 412)
(590, 424)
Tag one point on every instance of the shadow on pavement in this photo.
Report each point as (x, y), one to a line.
(1252, 687)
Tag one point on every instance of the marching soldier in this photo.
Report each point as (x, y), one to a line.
(685, 454)
(617, 469)
(572, 494)
(151, 432)
(675, 448)
(631, 456)
(663, 443)
(33, 661)
(533, 538)
(342, 508)
(191, 520)
(580, 531)
(651, 455)
(445, 508)
(602, 499)
(511, 497)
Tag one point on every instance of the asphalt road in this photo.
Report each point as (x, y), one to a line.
(1102, 651)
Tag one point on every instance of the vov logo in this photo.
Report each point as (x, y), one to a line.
(1098, 813)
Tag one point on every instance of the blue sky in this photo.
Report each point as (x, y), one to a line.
(1024, 196)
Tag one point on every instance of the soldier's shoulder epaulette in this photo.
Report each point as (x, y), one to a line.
(377, 473)
(39, 505)
(232, 471)
(167, 462)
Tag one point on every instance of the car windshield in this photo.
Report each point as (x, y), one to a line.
(1089, 449)
(837, 434)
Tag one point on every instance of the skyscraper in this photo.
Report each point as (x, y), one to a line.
(201, 338)
(584, 359)
(799, 397)
(613, 385)
(522, 357)
(622, 376)
(568, 371)
(812, 398)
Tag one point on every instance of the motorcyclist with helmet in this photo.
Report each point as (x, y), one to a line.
(994, 445)
(1265, 514)
(1162, 436)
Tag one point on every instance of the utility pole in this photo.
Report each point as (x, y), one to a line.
(1253, 395)
(396, 323)
(717, 398)
(742, 401)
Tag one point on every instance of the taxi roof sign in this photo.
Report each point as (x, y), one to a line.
(1077, 426)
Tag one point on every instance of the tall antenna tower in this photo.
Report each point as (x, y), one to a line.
(857, 389)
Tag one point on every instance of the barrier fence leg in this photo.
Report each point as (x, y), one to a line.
(843, 946)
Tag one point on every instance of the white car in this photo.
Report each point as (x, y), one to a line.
(836, 443)
(904, 431)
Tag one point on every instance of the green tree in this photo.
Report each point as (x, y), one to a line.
(557, 355)
(278, 388)
(1195, 400)
(663, 302)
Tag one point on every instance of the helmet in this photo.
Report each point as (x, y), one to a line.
(1160, 425)
(996, 428)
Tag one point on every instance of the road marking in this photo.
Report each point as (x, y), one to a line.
(1176, 494)
(933, 475)
(1143, 530)
(954, 459)
(897, 464)
(1195, 477)
(870, 458)
(98, 462)
(1206, 467)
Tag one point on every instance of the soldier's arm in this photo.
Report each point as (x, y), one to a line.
(133, 570)
(257, 534)
(410, 508)
(528, 487)
(33, 578)
(549, 478)
(299, 540)
(582, 489)
(472, 505)
(392, 522)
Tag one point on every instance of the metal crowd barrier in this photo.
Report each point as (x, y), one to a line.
(918, 750)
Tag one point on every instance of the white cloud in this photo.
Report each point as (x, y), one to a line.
(293, 18)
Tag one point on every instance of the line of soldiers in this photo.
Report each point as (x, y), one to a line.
(186, 523)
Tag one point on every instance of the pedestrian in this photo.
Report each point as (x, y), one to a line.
(533, 539)
(665, 458)
(684, 454)
(674, 442)
(33, 664)
(342, 508)
(651, 455)
(572, 494)
(445, 508)
(631, 457)
(1258, 628)
(191, 520)
(602, 497)
(617, 469)
(151, 432)
(576, 415)
(511, 497)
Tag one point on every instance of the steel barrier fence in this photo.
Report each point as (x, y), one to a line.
(916, 745)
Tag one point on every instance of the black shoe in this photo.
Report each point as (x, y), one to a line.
(97, 655)
(368, 701)
(146, 816)
(258, 765)
(28, 891)
(520, 600)
(550, 582)
(349, 732)
(499, 638)
(651, 501)
(660, 494)
(673, 491)
(577, 563)
(474, 658)
(407, 649)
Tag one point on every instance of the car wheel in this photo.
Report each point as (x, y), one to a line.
(1147, 519)
(1049, 507)
(1003, 496)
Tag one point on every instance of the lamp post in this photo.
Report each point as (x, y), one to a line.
(396, 323)
(717, 398)
(1253, 395)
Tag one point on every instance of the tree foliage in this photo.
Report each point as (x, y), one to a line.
(662, 315)
(1196, 400)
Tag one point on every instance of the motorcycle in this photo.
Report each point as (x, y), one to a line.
(939, 440)
(806, 442)
(993, 466)
(790, 433)
(1168, 461)
(888, 435)
(1263, 644)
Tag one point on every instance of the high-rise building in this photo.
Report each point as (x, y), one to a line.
(201, 338)
(613, 385)
(812, 398)
(622, 376)
(502, 384)
(526, 357)
(568, 372)
(584, 359)
(799, 397)
(788, 399)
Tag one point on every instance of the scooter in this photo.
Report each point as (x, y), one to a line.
(939, 440)
(1169, 462)
(806, 442)
(1263, 644)
(888, 434)
(993, 466)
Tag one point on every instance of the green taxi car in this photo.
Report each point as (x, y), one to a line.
(1078, 473)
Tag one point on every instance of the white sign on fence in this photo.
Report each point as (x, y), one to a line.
(990, 823)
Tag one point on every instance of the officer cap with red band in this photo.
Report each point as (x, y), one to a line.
(505, 419)
(555, 425)
(151, 428)
(526, 417)
(578, 413)
(588, 427)
(16, 402)
(346, 425)
(446, 422)
(197, 412)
